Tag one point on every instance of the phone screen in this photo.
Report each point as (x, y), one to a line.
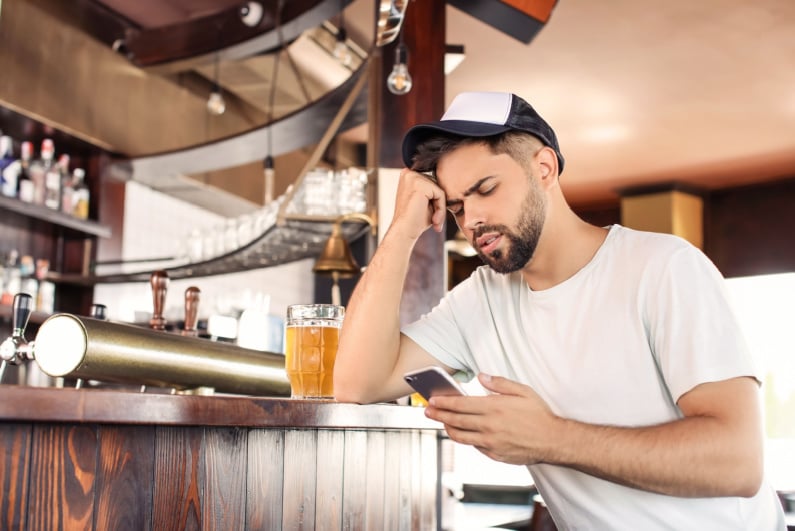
(433, 381)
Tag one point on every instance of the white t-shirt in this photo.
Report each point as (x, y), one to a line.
(645, 321)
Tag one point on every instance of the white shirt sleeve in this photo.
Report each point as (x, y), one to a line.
(692, 330)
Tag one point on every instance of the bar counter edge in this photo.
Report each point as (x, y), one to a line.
(19, 403)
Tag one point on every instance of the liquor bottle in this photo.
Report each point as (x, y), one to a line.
(29, 282)
(81, 195)
(9, 168)
(39, 169)
(52, 182)
(25, 187)
(12, 280)
(45, 302)
(67, 192)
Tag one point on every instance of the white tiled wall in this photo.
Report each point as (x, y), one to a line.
(157, 225)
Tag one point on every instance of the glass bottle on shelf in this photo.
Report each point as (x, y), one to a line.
(52, 182)
(25, 187)
(81, 196)
(9, 167)
(39, 169)
(12, 281)
(28, 282)
(45, 300)
(67, 191)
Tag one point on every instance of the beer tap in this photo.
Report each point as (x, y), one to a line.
(191, 311)
(16, 350)
(159, 282)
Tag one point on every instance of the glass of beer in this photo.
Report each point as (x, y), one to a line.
(312, 336)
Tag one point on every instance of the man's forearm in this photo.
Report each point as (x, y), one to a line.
(370, 339)
(691, 457)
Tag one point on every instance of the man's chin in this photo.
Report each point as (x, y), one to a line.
(497, 264)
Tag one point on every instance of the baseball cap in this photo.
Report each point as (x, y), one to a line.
(482, 114)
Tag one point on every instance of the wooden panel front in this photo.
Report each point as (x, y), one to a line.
(125, 460)
(215, 478)
(93, 459)
(14, 474)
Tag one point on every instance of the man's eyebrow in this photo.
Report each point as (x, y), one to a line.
(469, 191)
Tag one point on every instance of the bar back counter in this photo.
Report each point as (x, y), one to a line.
(109, 459)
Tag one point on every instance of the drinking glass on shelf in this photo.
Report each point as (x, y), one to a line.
(351, 191)
(319, 193)
(195, 241)
(245, 230)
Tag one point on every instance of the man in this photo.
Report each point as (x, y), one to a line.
(615, 367)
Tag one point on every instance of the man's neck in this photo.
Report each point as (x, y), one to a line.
(566, 245)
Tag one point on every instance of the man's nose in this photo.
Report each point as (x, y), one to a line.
(473, 219)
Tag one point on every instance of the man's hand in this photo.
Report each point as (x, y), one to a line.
(513, 425)
(714, 450)
(419, 204)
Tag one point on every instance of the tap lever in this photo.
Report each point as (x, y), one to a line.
(191, 311)
(20, 313)
(159, 282)
(99, 311)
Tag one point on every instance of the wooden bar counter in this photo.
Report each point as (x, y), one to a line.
(115, 460)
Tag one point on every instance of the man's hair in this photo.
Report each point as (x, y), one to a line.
(520, 146)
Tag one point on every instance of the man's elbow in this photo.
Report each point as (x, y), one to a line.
(343, 394)
(748, 476)
(350, 390)
(750, 485)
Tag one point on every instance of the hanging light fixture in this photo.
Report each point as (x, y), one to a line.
(336, 259)
(215, 103)
(341, 52)
(270, 177)
(399, 81)
(267, 165)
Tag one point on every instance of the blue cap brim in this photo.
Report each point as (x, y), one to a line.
(419, 133)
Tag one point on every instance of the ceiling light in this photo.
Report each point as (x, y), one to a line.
(341, 52)
(251, 14)
(215, 103)
(336, 259)
(270, 177)
(399, 81)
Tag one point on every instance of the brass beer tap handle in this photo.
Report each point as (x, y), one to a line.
(192, 295)
(159, 282)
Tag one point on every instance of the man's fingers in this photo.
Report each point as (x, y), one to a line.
(464, 421)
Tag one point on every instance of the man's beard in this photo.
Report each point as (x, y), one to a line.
(522, 243)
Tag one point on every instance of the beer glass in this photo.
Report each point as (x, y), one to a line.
(312, 335)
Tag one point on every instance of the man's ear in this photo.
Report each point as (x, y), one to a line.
(547, 161)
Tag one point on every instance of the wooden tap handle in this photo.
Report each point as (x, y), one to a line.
(191, 311)
(159, 282)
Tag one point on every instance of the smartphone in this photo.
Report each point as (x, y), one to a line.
(433, 381)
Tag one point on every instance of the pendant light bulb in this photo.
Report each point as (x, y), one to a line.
(399, 81)
(270, 178)
(341, 52)
(215, 103)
